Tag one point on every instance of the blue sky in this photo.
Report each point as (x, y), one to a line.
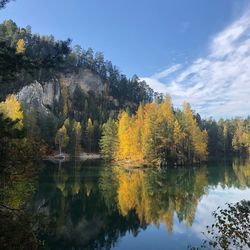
(170, 44)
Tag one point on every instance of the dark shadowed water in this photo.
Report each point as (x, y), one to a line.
(92, 206)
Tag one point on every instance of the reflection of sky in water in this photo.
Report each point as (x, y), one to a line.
(182, 235)
(103, 207)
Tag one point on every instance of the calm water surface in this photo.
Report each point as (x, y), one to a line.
(91, 206)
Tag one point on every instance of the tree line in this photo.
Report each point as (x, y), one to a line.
(158, 134)
(25, 57)
(129, 122)
(227, 136)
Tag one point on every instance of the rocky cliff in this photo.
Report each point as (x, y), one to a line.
(76, 96)
(45, 97)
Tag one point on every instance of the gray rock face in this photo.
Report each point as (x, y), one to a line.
(86, 80)
(51, 94)
(32, 97)
(44, 98)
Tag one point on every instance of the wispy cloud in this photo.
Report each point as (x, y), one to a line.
(217, 84)
(166, 72)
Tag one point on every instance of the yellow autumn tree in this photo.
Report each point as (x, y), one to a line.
(166, 119)
(178, 136)
(136, 128)
(11, 108)
(196, 140)
(124, 139)
(147, 126)
(241, 137)
(20, 46)
(152, 136)
(157, 135)
(158, 132)
(166, 111)
(246, 140)
(200, 144)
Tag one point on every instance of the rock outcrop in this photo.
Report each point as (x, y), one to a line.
(38, 97)
(85, 79)
(44, 97)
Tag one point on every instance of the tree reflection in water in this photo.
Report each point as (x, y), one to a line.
(92, 207)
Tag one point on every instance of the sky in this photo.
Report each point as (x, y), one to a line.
(196, 51)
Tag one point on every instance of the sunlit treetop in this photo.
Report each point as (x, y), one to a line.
(20, 47)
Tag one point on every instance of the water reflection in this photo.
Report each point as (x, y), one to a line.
(92, 207)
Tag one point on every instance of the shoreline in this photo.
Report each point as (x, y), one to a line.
(66, 157)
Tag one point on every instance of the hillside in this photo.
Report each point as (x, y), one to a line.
(64, 96)
(56, 83)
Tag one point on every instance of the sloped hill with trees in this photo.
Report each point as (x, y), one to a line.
(74, 99)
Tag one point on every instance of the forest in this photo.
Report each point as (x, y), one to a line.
(127, 122)
(157, 133)
(91, 158)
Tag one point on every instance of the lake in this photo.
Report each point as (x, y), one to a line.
(96, 206)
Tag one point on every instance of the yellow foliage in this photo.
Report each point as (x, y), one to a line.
(241, 138)
(168, 218)
(178, 134)
(197, 139)
(77, 128)
(156, 201)
(136, 131)
(150, 117)
(11, 108)
(20, 46)
(166, 111)
(154, 135)
(124, 136)
(131, 194)
(89, 128)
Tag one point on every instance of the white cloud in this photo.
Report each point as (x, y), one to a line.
(218, 84)
(166, 72)
(209, 203)
(155, 84)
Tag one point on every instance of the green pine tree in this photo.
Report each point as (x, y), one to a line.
(108, 142)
